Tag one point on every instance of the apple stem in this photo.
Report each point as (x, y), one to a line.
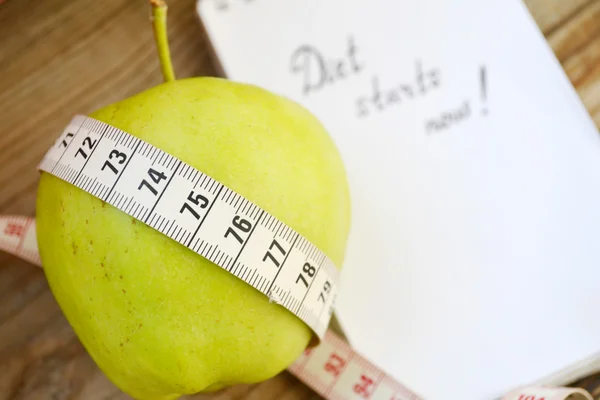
(159, 23)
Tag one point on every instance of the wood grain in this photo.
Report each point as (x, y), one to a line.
(61, 57)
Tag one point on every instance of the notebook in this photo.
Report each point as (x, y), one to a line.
(473, 263)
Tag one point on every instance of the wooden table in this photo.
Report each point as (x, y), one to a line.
(58, 57)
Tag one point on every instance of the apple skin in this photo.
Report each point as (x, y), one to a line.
(158, 319)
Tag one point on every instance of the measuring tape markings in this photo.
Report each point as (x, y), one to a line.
(336, 371)
(198, 212)
(18, 237)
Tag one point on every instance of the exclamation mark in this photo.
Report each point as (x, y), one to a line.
(483, 86)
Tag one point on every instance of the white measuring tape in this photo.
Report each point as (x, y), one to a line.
(200, 213)
(224, 227)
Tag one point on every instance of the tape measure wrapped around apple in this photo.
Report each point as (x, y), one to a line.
(158, 319)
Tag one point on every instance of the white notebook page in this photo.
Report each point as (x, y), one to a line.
(473, 264)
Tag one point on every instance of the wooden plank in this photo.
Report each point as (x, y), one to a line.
(550, 15)
(61, 57)
(576, 33)
(577, 46)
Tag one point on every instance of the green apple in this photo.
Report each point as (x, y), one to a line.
(160, 320)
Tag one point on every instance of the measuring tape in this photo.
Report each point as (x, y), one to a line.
(332, 369)
(198, 212)
(212, 220)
